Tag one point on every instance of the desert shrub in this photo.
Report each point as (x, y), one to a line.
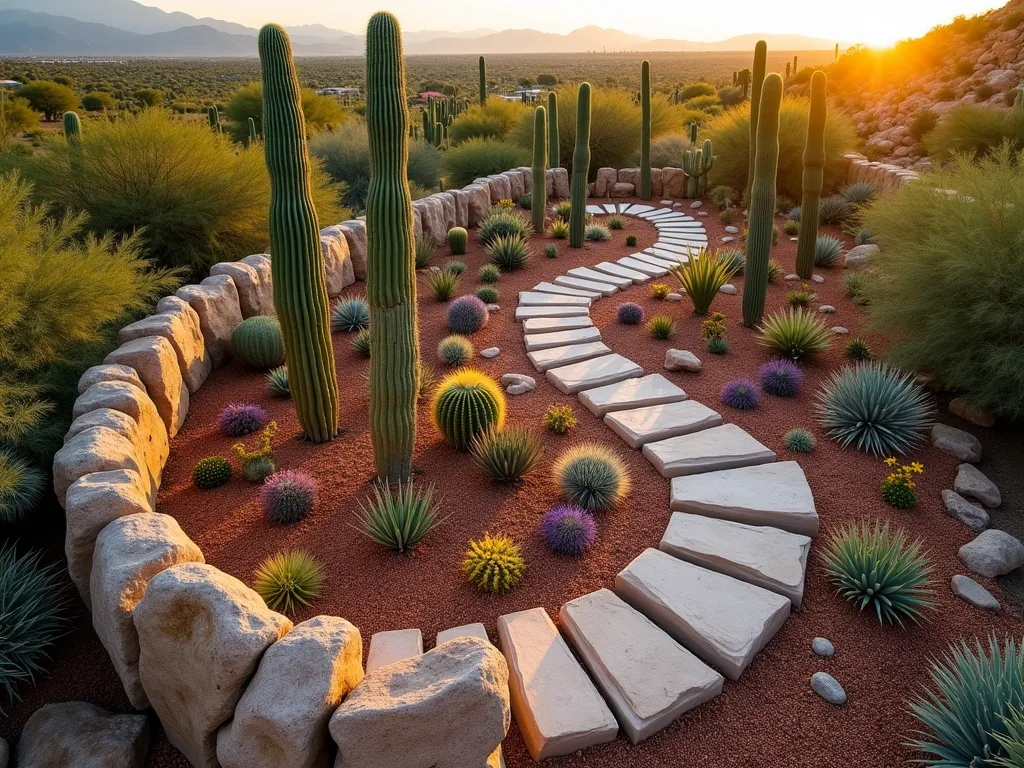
(442, 283)
(1013, 20)
(259, 343)
(795, 334)
(563, 209)
(454, 350)
(730, 97)
(508, 454)
(568, 529)
(592, 476)
(799, 441)
(864, 236)
(924, 122)
(480, 157)
(597, 233)
(661, 327)
(504, 223)
(238, 419)
(701, 278)
(423, 252)
(667, 150)
(630, 241)
(740, 394)
(320, 113)
(791, 227)
(967, 246)
(898, 486)
(211, 472)
(730, 133)
(559, 229)
(49, 97)
(494, 564)
(493, 121)
(834, 210)
(977, 130)
(399, 518)
(615, 222)
(800, 297)
(693, 90)
(350, 315)
(98, 101)
(467, 403)
(659, 291)
(288, 580)
(855, 286)
(964, 67)
(984, 92)
(16, 116)
(775, 270)
(509, 253)
(859, 193)
(724, 196)
(21, 487)
(781, 377)
(288, 496)
(489, 274)
(629, 313)
(361, 343)
(487, 294)
(857, 351)
(551, 251)
(560, 419)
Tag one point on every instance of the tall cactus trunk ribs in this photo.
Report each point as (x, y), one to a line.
(645, 131)
(554, 152)
(72, 129)
(814, 176)
(539, 201)
(756, 83)
(483, 82)
(580, 169)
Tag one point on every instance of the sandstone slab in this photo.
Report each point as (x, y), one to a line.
(110, 373)
(642, 267)
(603, 287)
(339, 273)
(394, 645)
(215, 300)
(598, 372)
(466, 630)
(554, 357)
(993, 553)
(155, 360)
(617, 270)
(956, 442)
(563, 290)
(355, 234)
(184, 337)
(552, 324)
(653, 389)
(972, 483)
(637, 208)
(724, 447)
(586, 273)
(540, 299)
(655, 261)
(79, 734)
(639, 426)
(525, 313)
(536, 341)
(97, 449)
(254, 280)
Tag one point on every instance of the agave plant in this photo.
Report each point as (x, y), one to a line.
(509, 253)
(827, 251)
(834, 210)
(507, 454)
(874, 407)
(399, 519)
(502, 222)
(859, 192)
(702, 277)
(288, 580)
(1012, 741)
(350, 315)
(795, 334)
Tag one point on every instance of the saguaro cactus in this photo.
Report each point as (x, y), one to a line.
(554, 152)
(762, 202)
(645, 131)
(757, 80)
(539, 201)
(794, 64)
(483, 82)
(252, 131)
(72, 129)
(814, 175)
(213, 115)
(300, 285)
(391, 271)
(693, 133)
(580, 169)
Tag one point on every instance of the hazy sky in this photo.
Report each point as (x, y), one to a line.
(870, 21)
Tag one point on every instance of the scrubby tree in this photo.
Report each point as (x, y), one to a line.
(48, 97)
(320, 112)
(16, 116)
(547, 80)
(98, 101)
(149, 97)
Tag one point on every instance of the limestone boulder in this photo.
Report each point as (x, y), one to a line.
(447, 201)
(154, 359)
(448, 708)
(629, 176)
(479, 198)
(501, 187)
(99, 373)
(185, 339)
(432, 213)
(281, 719)
(354, 231)
(201, 636)
(527, 173)
(97, 449)
(215, 301)
(858, 258)
(338, 269)
(606, 179)
(621, 189)
(79, 734)
(993, 553)
(460, 198)
(559, 183)
(129, 552)
(657, 184)
(516, 184)
(673, 182)
(254, 282)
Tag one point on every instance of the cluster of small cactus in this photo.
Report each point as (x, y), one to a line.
(592, 476)
(740, 394)
(697, 164)
(258, 343)
(288, 496)
(494, 564)
(551, 251)
(458, 240)
(211, 472)
(467, 403)
(437, 118)
(238, 419)
(560, 419)
(629, 313)
(467, 314)
(350, 315)
(568, 529)
(781, 377)
(258, 465)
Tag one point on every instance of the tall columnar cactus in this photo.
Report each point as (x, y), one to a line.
(697, 164)
(539, 200)
(438, 134)
(391, 271)
(693, 134)
(213, 115)
(580, 169)
(300, 284)
(814, 175)
(837, 52)
(252, 131)
(645, 131)
(761, 220)
(794, 64)
(483, 82)
(554, 152)
(757, 79)
(787, 70)
(72, 129)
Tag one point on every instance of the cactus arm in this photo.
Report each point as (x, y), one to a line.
(580, 169)
(645, 131)
(814, 174)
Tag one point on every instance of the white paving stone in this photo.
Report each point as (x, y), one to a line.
(638, 208)
(535, 341)
(571, 379)
(396, 645)
(671, 247)
(596, 210)
(538, 299)
(586, 273)
(466, 630)
(665, 217)
(642, 266)
(623, 207)
(551, 324)
(640, 426)
(611, 207)
(562, 290)
(687, 225)
(557, 708)
(765, 556)
(605, 289)
(525, 313)
(651, 214)
(769, 494)
(723, 620)
(556, 357)
(647, 677)
(672, 258)
(655, 261)
(620, 271)
(723, 447)
(632, 393)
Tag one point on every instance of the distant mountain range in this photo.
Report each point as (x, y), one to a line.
(128, 28)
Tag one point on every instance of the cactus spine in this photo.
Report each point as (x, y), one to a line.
(483, 82)
(554, 152)
(760, 57)
(72, 129)
(300, 285)
(539, 200)
(580, 169)
(645, 131)
(814, 174)
(391, 272)
(762, 202)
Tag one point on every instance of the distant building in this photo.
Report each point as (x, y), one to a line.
(10, 85)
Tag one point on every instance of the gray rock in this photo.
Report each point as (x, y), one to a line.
(826, 686)
(728, 288)
(858, 258)
(494, 308)
(732, 230)
(518, 383)
(956, 442)
(972, 515)
(696, 204)
(822, 647)
(840, 330)
(970, 482)
(970, 591)
(993, 553)
(75, 733)
(702, 213)
(827, 309)
(791, 277)
(817, 279)
(682, 360)
(490, 352)
(674, 297)
(728, 239)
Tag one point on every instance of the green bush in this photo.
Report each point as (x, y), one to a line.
(98, 101)
(489, 274)
(16, 116)
(46, 96)
(501, 222)
(481, 157)
(320, 113)
(924, 122)
(399, 519)
(694, 90)
(442, 283)
(966, 246)
(487, 294)
(827, 251)
(975, 130)
(494, 121)
(795, 334)
(592, 476)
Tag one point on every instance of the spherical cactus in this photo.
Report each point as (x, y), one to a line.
(591, 476)
(237, 419)
(211, 472)
(467, 403)
(740, 394)
(458, 240)
(781, 377)
(288, 496)
(630, 313)
(799, 441)
(568, 529)
(258, 343)
(467, 314)
(259, 469)
(494, 564)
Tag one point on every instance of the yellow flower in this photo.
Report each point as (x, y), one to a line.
(917, 467)
(890, 462)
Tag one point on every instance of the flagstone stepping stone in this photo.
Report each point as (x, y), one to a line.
(596, 210)
(672, 247)
(646, 677)
(550, 324)
(723, 447)
(826, 686)
(466, 630)
(970, 591)
(611, 207)
(620, 271)
(562, 290)
(587, 273)
(641, 266)
(556, 357)
(538, 299)
(571, 379)
(672, 258)
(605, 289)
(637, 208)
(557, 707)
(684, 237)
(666, 217)
(770, 494)
(654, 261)
(652, 214)
(723, 620)
(536, 341)
(972, 483)
(640, 426)
(633, 393)
(685, 225)
(956, 442)
(761, 555)
(396, 645)
(525, 313)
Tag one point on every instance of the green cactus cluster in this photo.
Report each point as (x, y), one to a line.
(258, 343)
(645, 130)
(213, 115)
(211, 472)
(72, 129)
(538, 171)
(697, 164)
(458, 240)
(814, 177)
(580, 169)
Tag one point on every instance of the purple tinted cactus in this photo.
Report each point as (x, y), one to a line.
(237, 419)
(630, 313)
(741, 394)
(568, 529)
(467, 314)
(288, 496)
(781, 377)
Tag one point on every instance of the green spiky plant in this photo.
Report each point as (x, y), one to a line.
(300, 283)
(288, 580)
(21, 487)
(539, 196)
(762, 201)
(72, 129)
(398, 519)
(391, 275)
(554, 153)
(1012, 741)
(645, 131)
(756, 83)
(580, 169)
(494, 564)
(814, 176)
(213, 115)
(483, 82)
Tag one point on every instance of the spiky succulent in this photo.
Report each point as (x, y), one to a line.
(702, 278)
(455, 267)
(350, 315)
(1012, 741)
(795, 334)
(288, 580)
(560, 419)
(859, 193)
(718, 346)
(827, 251)
(505, 223)
(21, 487)
(801, 297)
(467, 403)
(288, 496)
(781, 377)
(398, 519)
(494, 564)
(799, 441)
(834, 210)
(629, 313)
(563, 209)
(487, 294)
(508, 253)
(864, 236)
(597, 233)
(237, 419)
(740, 394)
(467, 314)
(361, 343)
(551, 251)
(615, 222)
(630, 241)
(442, 284)
(455, 350)
(508, 454)
(592, 476)
(424, 253)
(734, 259)
(661, 327)
(568, 529)
(559, 229)
(211, 472)
(775, 270)
(489, 274)
(277, 381)
(858, 351)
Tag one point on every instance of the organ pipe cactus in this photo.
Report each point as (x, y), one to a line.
(483, 82)
(580, 169)
(438, 134)
(539, 199)
(72, 129)
(762, 201)
(697, 164)
(300, 284)
(814, 175)
(693, 134)
(645, 131)
(757, 80)
(554, 152)
(391, 270)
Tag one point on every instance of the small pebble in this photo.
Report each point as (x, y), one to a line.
(817, 279)
(826, 686)
(822, 647)
(494, 308)
(677, 205)
(674, 297)
(840, 330)
(794, 239)
(732, 230)
(702, 213)
(490, 352)
(728, 288)
(791, 277)
(728, 239)
(666, 202)
(696, 204)
(826, 309)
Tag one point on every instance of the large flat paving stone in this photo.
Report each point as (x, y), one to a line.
(596, 210)
(647, 677)
(724, 447)
(770, 494)
(640, 266)
(653, 213)
(396, 645)
(604, 288)
(723, 620)
(680, 226)
(466, 630)
(525, 313)
(557, 707)
(674, 247)
(672, 258)
(762, 555)
(637, 208)
(538, 299)
(611, 207)
(556, 357)
(551, 324)
(563, 290)
(620, 271)
(654, 260)
(598, 372)
(586, 273)
(535, 341)
(653, 389)
(639, 426)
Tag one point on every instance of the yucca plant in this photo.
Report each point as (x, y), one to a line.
(795, 334)
(425, 251)
(661, 327)
(834, 210)
(277, 381)
(879, 570)
(1012, 741)
(559, 229)
(502, 222)
(442, 283)
(859, 193)
(596, 233)
(509, 253)
(399, 519)
(507, 454)
(702, 278)
(874, 407)
(361, 343)
(350, 315)
(288, 580)
(827, 251)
